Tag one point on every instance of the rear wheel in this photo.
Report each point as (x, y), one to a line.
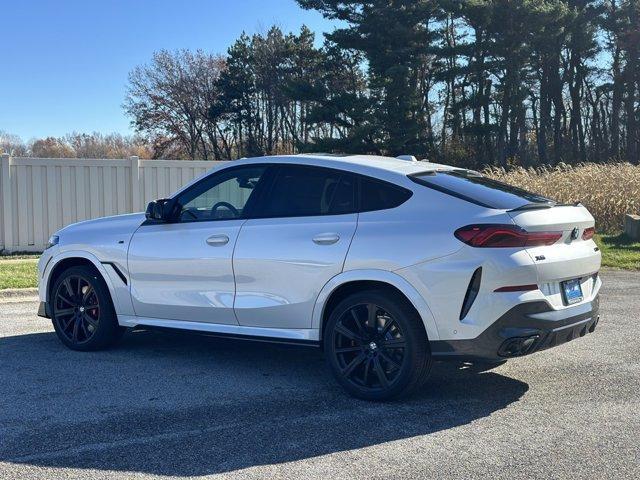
(376, 346)
(82, 312)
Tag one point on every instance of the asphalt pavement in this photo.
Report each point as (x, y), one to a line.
(176, 405)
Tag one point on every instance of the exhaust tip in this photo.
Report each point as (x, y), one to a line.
(518, 346)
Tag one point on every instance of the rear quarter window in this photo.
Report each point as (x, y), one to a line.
(380, 195)
(478, 189)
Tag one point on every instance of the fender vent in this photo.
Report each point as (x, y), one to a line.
(118, 271)
(472, 292)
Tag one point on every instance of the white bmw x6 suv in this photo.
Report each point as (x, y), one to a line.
(388, 264)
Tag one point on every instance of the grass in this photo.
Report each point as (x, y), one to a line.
(618, 251)
(18, 272)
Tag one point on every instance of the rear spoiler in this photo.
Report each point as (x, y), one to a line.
(540, 206)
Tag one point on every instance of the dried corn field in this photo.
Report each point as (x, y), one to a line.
(608, 191)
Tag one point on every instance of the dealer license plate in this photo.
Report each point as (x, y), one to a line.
(572, 291)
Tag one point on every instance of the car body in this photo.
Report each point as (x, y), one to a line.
(267, 248)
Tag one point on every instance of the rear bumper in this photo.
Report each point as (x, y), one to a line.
(525, 329)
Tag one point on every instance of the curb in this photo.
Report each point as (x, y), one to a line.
(18, 295)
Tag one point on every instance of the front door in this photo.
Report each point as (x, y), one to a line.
(182, 270)
(283, 259)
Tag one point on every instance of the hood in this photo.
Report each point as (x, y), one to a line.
(123, 223)
(102, 236)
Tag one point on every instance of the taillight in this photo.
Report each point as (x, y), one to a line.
(504, 236)
(588, 233)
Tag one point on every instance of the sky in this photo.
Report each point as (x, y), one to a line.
(64, 63)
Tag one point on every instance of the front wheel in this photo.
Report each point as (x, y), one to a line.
(376, 346)
(82, 312)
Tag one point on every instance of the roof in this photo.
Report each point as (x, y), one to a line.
(357, 163)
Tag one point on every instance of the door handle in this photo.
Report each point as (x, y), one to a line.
(326, 238)
(217, 240)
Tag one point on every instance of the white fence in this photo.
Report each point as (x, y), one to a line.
(38, 196)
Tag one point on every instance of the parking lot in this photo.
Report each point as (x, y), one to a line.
(175, 405)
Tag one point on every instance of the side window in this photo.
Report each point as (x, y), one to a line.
(301, 191)
(222, 196)
(379, 195)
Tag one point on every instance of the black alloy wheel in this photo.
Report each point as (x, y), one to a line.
(376, 345)
(76, 309)
(369, 346)
(82, 310)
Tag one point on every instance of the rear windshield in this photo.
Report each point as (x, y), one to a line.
(483, 191)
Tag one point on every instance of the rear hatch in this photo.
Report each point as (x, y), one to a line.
(573, 257)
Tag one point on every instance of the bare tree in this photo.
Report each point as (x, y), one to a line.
(51, 147)
(12, 144)
(169, 100)
(114, 145)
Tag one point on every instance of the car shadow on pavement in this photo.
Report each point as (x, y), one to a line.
(186, 405)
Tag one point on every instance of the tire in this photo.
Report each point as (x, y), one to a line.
(389, 361)
(77, 324)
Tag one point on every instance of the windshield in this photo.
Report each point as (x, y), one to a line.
(478, 189)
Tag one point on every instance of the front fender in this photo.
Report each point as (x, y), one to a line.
(119, 291)
(383, 276)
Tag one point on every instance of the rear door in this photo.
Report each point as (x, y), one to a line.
(284, 258)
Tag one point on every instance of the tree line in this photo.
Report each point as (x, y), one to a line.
(78, 145)
(465, 82)
(470, 82)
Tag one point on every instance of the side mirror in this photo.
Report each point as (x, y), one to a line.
(159, 210)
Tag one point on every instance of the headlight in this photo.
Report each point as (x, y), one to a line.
(53, 240)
